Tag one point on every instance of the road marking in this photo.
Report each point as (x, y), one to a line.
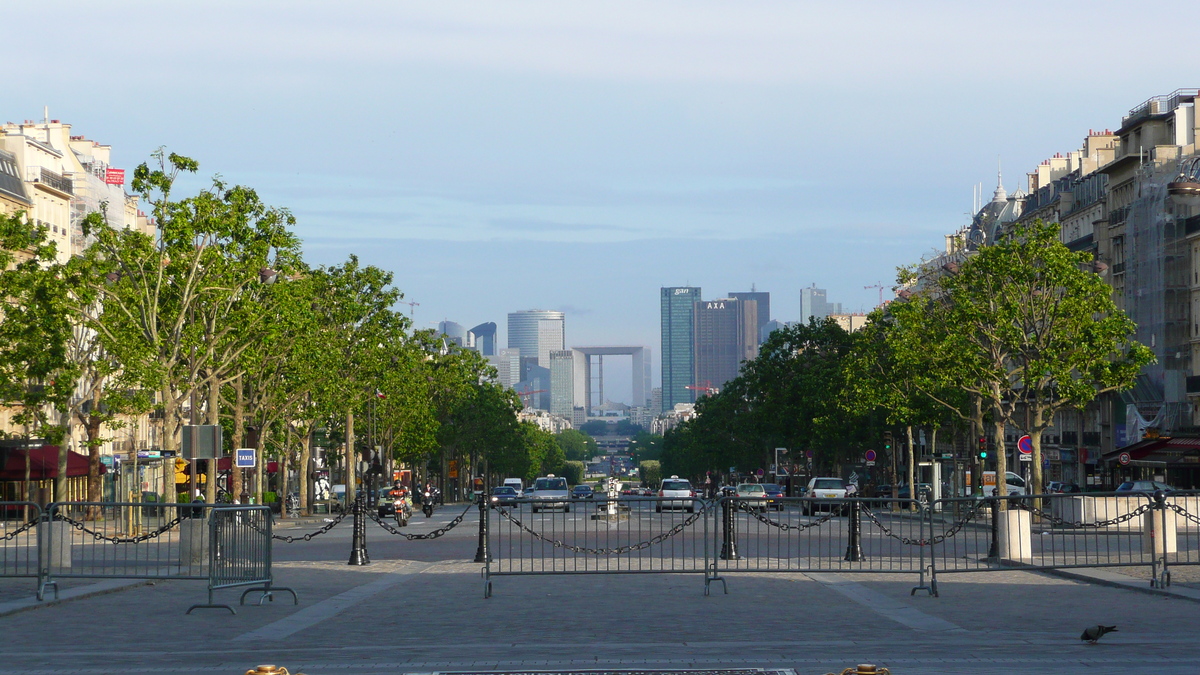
(328, 608)
(884, 605)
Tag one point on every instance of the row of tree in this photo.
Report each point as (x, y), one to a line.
(217, 319)
(1006, 336)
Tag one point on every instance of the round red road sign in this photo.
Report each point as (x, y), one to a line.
(1123, 458)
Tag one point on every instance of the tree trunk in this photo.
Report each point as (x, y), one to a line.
(351, 457)
(284, 464)
(214, 418)
(912, 469)
(92, 429)
(260, 463)
(976, 433)
(303, 468)
(935, 480)
(1001, 461)
(239, 438)
(168, 442)
(60, 480)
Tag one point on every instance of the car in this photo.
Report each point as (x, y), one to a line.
(924, 492)
(826, 487)
(527, 492)
(582, 492)
(775, 496)
(676, 493)
(1053, 487)
(550, 492)
(753, 496)
(504, 494)
(1143, 486)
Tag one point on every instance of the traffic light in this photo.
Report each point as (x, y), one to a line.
(982, 447)
(887, 441)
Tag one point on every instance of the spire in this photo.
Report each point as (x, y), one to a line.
(999, 195)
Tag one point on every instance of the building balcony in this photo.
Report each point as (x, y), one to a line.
(51, 179)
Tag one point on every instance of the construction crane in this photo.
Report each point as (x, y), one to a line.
(707, 388)
(410, 307)
(528, 393)
(880, 287)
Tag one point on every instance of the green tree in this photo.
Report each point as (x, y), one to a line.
(576, 445)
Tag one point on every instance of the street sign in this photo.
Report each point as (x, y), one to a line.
(1026, 458)
(1025, 445)
(760, 472)
(1124, 458)
(870, 462)
(244, 458)
(870, 456)
(808, 454)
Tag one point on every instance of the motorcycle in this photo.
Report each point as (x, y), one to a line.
(427, 503)
(403, 510)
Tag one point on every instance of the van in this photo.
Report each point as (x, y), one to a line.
(515, 483)
(1015, 484)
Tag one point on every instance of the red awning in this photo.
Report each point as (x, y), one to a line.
(43, 463)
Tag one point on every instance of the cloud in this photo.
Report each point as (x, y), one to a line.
(530, 225)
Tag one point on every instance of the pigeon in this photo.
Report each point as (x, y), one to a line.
(1096, 632)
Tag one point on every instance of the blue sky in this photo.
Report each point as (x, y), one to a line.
(579, 155)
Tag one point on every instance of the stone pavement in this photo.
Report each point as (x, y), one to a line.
(408, 616)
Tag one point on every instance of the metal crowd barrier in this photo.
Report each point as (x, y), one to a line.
(812, 535)
(240, 554)
(19, 540)
(124, 540)
(597, 536)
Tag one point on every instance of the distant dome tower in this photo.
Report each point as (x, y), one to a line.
(999, 196)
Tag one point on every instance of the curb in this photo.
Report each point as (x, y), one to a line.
(102, 588)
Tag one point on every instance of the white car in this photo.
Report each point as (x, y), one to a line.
(550, 492)
(676, 493)
(823, 488)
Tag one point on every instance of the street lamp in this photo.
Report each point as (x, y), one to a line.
(1185, 189)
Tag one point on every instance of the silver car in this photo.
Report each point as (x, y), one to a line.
(676, 493)
(551, 492)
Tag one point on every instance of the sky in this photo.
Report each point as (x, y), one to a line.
(501, 156)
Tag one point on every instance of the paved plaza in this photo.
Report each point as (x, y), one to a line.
(419, 608)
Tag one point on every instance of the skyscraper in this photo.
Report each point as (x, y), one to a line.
(678, 357)
(763, 299)
(813, 304)
(726, 335)
(562, 383)
(536, 332)
(485, 338)
(454, 332)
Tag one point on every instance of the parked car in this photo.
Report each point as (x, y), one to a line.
(582, 492)
(775, 496)
(753, 496)
(924, 492)
(824, 488)
(504, 494)
(1143, 486)
(676, 493)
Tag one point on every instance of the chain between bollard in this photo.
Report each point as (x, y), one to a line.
(24, 528)
(1054, 520)
(557, 543)
(431, 535)
(288, 539)
(1184, 512)
(98, 536)
(763, 518)
(954, 529)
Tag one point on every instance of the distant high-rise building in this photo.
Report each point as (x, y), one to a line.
(536, 332)
(508, 366)
(763, 299)
(726, 334)
(485, 338)
(454, 332)
(562, 383)
(813, 303)
(678, 356)
(535, 388)
(767, 328)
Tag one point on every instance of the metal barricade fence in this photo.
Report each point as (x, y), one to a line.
(804, 535)
(124, 540)
(1054, 531)
(597, 536)
(20, 535)
(239, 554)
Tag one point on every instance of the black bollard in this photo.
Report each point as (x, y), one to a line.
(994, 549)
(854, 523)
(358, 546)
(482, 555)
(729, 529)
